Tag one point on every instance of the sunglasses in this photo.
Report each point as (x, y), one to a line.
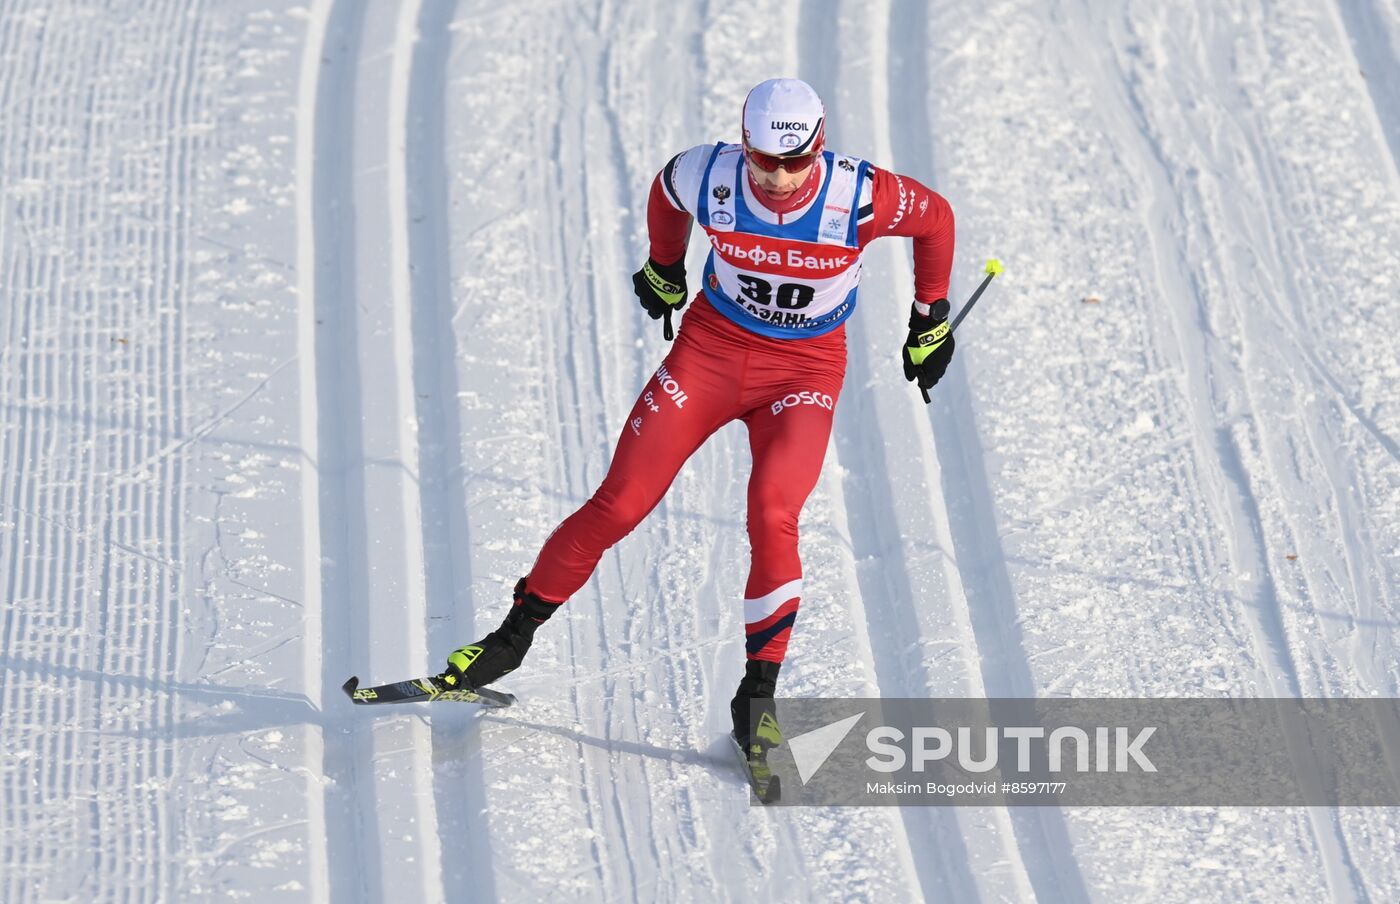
(769, 163)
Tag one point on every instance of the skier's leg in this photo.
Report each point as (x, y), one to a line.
(690, 396)
(788, 444)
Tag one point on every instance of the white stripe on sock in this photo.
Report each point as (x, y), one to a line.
(756, 610)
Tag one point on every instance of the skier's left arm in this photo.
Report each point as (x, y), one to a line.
(899, 205)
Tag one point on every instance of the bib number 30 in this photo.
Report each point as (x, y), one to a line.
(789, 296)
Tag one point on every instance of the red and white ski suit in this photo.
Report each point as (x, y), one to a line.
(763, 342)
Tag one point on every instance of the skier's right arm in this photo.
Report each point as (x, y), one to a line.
(660, 284)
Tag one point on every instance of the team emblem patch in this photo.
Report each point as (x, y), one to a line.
(721, 193)
(722, 217)
(833, 230)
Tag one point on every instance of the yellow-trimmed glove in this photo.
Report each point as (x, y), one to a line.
(929, 347)
(661, 289)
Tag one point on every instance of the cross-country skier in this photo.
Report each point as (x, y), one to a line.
(765, 343)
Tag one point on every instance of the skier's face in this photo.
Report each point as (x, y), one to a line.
(780, 183)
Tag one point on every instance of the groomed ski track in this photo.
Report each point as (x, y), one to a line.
(317, 319)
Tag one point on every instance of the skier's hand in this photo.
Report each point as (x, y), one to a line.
(661, 289)
(929, 347)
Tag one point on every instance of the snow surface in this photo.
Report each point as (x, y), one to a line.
(316, 320)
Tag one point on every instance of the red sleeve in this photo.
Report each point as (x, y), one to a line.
(668, 228)
(901, 206)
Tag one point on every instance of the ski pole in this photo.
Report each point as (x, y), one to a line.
(993, 268)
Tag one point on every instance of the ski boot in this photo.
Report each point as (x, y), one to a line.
(756, 726)
(501, 651)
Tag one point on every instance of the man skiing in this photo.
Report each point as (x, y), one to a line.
(764, 342)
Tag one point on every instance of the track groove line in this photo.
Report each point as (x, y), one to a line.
(347, 864)
(465, 854)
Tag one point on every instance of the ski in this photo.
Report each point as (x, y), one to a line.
(423, 690)
(766, 786)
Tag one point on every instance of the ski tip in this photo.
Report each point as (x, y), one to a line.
(774, 792)
(993, 266)
(350, 686)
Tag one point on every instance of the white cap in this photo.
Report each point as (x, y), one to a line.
(784, 116)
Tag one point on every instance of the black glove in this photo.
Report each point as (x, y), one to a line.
(929, 347)
(661, 289)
